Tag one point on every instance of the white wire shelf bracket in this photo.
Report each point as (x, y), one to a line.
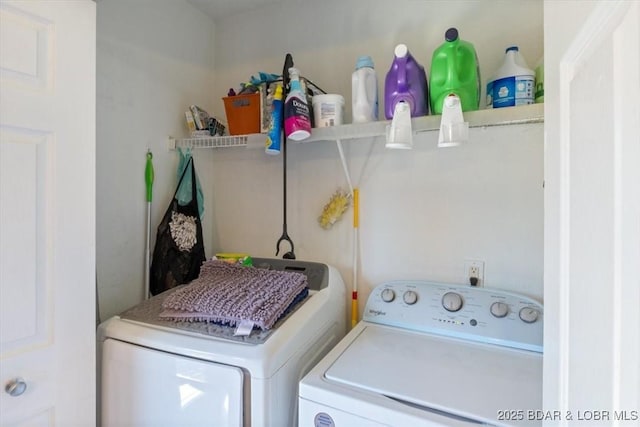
(208, 142)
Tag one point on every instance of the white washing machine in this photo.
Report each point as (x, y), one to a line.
(430, 354)
(161, 373)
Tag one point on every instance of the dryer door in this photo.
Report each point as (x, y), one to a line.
(144, 387)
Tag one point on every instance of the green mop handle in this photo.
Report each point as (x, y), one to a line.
(148, 176)
(148, 179)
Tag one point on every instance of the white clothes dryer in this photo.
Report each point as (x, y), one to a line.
(431, 354)
(156, 373)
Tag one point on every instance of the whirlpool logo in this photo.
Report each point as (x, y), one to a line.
(377, 312)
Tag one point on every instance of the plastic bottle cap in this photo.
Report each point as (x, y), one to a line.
(451, 101)
(451, 35)
(511, 48)
(401, 51)
(364, 61)
(293, 71)
(278, 94)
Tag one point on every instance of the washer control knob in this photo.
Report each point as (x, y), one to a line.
(529, 314)
(499, 309)
(452, 301)
(388, 295)
(410, 297)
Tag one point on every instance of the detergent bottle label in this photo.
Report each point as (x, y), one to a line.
(489, 95)
(297, 117)
(512, 91)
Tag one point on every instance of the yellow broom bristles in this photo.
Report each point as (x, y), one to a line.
(334, 209)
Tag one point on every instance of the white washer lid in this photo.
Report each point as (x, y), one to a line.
(470, 380)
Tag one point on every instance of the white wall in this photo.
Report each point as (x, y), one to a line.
(422, 211)
(149, 70)
(325, 38)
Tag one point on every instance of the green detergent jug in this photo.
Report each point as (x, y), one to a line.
(454, 70)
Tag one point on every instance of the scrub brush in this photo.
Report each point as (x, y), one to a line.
(332, 211)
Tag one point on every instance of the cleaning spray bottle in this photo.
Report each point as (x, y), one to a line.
(275, 127)
(297, 117)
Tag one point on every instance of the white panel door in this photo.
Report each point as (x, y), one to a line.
(592, 212)
(47, 213)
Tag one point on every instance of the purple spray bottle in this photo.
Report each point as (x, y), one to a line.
(406, 81)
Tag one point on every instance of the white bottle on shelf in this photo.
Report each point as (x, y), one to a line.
(513, 83)
(364, 91)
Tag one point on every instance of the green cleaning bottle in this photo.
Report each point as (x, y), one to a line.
(454, 70)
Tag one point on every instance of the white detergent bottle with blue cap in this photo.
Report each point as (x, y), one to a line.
(514, 82)
(364, 91)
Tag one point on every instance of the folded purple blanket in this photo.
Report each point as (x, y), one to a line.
(231, 293)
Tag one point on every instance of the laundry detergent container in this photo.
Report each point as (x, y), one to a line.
(454, 71)
(406, 81)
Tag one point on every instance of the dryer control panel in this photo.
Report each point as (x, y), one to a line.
(479, 314)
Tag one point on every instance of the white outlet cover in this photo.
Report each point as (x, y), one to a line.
(468, 265)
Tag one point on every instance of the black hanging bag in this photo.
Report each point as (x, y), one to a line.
(179, 249)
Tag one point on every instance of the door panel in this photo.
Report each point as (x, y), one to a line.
(31, 66)
(24, 307)
(47, 213)
(592, 206)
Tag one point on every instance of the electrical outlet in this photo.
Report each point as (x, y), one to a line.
(474, 269)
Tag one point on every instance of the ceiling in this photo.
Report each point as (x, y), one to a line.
(220, 9)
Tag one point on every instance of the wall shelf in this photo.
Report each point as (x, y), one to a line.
(209, 142)
(525, 114)
(533, 113)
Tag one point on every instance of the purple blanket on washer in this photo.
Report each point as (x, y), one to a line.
(230, 293)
